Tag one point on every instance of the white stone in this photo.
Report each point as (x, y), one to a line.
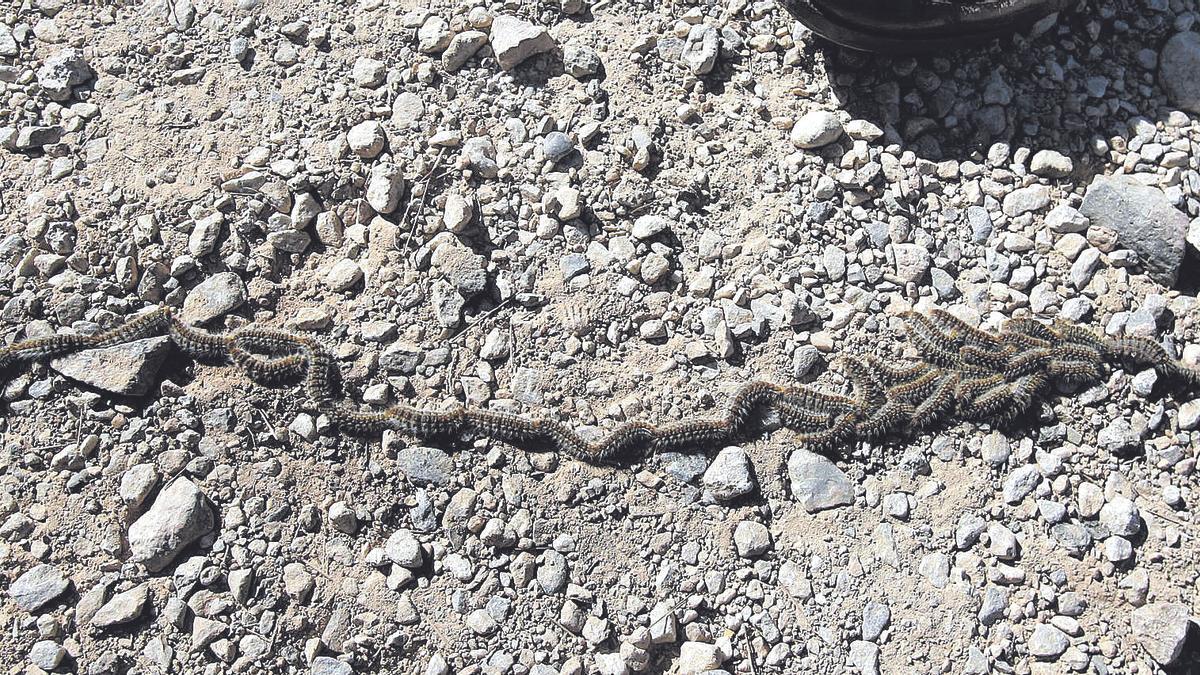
(366, 139)
(514, 40)
(816, 129)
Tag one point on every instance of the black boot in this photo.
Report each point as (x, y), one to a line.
(907, 26)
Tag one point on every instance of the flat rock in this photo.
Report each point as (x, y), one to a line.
(127, 368)
(1048, 642)
(514, 40)
(1161, 628)
(213, 297)
(179, 516)
(461, 48)
(817, 483)
(424, 465)
(123, 607)
(1179, 70)
(36, 588)
(327, 665)
(1026, 200)
(1145, 222)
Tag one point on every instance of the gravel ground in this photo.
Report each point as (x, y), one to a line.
(600, 212)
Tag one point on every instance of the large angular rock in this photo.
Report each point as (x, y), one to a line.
(179, 516)
(514, 40)
(37, 587)
(1144, 221)
(1179, 70)
(730, 475)
(61, 72)
(123, 608)
(1162, 629)
(423, 465)
(122, 369)
(213, 297)
(817, 483)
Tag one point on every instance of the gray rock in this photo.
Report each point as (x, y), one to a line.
(434, 35)
(1161, 629)
(1121, 516)
(30, 138)
(408, 108)
(1051, 164)
(1020, 483)
(127, 368)
(123, 607)
(1179, 70)
(994, 605)
(1073, 538)
(552, 573)
(816, 129)
(298, 582)
(1118, 436)
(1189, 415)
(482, 622)
(327, 665)
(222, 292)
(751, 538)
(1002, 543)
(47, 654)
(1118, 549)
(179, 516)
(514, 40)
(970, 527)
(1052, 512)
(403, 549)
(344, 275)
(730, 475)
(1084, 267)
(1065, 219)
(1145, 222)
(368, 72)
(1047, 642)
(876, 617)
(203, 238)
(557, 145)
(8, 47)
(62, 71)
(581, 61)
(367, 139)
(804, 360)
(701, 49)
(684, 467)
(462, 47)
(289, 241)
(817, 483)
(385, 187)
(649, 225)
(912, 262)
(35, 589)
(424, 465)
(1026, 200)
(865, 657)
(137, 483)
(981, 224)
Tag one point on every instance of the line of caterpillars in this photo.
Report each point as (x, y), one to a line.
(963, 373)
